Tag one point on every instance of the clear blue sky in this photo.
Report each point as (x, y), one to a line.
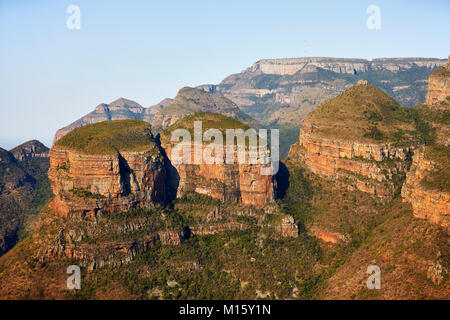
(147, 50)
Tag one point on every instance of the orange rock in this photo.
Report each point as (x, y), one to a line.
(91, 184)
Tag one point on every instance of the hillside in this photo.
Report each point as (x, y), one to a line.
(108, 137)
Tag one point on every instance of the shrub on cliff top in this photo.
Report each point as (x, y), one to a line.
(109, 137)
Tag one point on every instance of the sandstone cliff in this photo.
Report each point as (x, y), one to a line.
(118, 180)
(427, 187)
(239, 183)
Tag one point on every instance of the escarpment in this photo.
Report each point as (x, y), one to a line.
(234, 182)
(427, 185)
(349, 139)
(115, 176)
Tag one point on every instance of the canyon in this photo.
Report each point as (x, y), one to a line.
(366, 182)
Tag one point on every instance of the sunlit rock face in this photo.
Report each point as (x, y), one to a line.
(430, 204)
(439, 88)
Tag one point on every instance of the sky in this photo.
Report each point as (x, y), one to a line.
(145, 51)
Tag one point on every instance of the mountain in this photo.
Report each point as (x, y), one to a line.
(30, 149)
(365, 184)
(118, 109)
(280, 92)
(24, 189)
(187, 101)
(191, 100)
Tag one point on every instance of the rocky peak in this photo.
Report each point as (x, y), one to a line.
(123, 103)
(30, 149)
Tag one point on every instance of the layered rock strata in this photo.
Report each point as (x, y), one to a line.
(95, 183)
(371, 168)
(430, 204)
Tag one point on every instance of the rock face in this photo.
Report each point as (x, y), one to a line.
(366, 167)
(430, 204)
(239, 183)
(93, 184)
(29, 150)
(291, 66)
(129, 172)
(439, 88)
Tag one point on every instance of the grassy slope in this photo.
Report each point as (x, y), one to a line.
(108, 137)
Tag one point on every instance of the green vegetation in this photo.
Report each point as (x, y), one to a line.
(297, 201)
(209, 121)
(85, 193)
(109, 137)
(374, 133)
(439, 178)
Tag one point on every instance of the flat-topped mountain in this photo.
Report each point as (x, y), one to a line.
(107, 167)
(290, 66)
(238, 183)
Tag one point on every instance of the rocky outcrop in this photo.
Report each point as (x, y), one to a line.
(191, 100)
(238, 183)
(328, 236)
(291, 66)
(439, 88)
(30, 149)
(430, 204)
(113, 253)
(368, 167)
(93, 184)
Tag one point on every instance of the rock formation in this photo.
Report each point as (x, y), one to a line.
(119, 180)
(336, 141)
(30, 149)
(117, 110)
(239, 183)
(439, 88)
(430, 201)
